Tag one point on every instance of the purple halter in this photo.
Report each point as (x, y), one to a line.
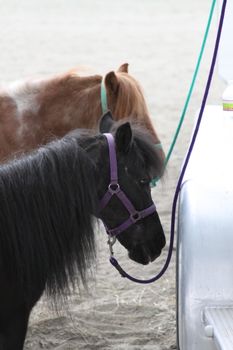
(114, 189)
(134, 215)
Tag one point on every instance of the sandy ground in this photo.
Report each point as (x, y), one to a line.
(160, 39)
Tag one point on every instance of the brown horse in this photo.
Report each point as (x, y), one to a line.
(36, 111)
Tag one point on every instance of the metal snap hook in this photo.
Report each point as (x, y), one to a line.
(111, 241)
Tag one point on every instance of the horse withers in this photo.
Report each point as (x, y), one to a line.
(49, 200)
(33, 112)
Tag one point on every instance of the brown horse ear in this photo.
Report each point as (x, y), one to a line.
(123, 68)
(111, 82)
(124, 138)
(106, 122)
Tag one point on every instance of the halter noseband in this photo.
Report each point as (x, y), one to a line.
(114, 189)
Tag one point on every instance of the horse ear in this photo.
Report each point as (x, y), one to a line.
(111, 82)
(106, 122)
(123, 68)
(123, 138)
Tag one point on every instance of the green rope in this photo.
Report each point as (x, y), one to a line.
(103, 97)
(153, 182)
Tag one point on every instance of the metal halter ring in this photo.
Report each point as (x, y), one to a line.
(113, 187)
(111, 242)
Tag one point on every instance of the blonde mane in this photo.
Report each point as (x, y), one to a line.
(130, 101)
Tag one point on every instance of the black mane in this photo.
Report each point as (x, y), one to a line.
(46, 229)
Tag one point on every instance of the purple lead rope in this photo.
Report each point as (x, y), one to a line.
(113, 261)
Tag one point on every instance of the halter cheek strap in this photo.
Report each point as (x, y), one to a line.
(114, 189)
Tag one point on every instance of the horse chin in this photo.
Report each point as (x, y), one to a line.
(142, 255)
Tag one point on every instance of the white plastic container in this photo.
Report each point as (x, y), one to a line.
(205, 239)
(227, 98)
(225, 55)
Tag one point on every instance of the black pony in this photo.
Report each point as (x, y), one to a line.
(48, 203)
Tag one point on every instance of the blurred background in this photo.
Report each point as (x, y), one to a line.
(160, 40)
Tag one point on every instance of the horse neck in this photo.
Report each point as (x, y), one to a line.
(69, 102)
(51, 107)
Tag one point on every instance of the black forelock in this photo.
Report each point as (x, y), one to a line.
(143, 149)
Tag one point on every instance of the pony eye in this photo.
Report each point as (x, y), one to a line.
(144, 181)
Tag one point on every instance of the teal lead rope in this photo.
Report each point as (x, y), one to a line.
(103, 95)
(183, 114)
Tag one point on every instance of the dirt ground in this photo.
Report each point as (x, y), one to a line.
(160, 40)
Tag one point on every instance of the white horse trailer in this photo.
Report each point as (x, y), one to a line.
(205, 224)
